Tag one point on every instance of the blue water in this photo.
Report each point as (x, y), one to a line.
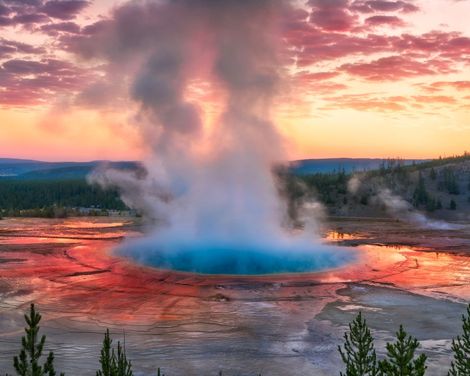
(230, 260)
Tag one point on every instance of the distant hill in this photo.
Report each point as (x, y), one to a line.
(439, 188)
(22, 169)
(15, 167)
(11, 161)
(348, 165)
(49, 189)
(27, 169)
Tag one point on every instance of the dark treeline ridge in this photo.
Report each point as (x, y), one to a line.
(54, 198)
(441, 161)
(432, 185)
(393, 164)
(357, 353)
(64, 197)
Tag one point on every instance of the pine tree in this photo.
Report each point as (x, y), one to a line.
(420, 195)
(122, 365)
(113, 364)
(401, 360)
(106, 356)
(453, 205)
(461, 347)
(27, 363)
(450, 182)
(358, 353)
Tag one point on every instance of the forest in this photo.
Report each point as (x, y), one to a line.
(54, 198)
(439, 184)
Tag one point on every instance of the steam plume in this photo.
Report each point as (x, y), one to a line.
(401, 209)
(217, 211)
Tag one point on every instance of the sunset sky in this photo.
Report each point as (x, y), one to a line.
(364, 78)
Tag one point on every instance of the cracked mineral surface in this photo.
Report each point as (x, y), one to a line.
(189, 324)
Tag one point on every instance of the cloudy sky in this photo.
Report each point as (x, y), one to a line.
(363, 78)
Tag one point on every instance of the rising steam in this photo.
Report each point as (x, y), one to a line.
(401, 209)
(217, 211)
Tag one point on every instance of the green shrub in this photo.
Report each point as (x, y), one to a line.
(113, 363)
(28, 361)
(401, 360)
(358, 353)
(461, 347)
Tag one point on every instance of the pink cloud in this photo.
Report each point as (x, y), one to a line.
(317, 82)
(64, 10)
(444, 99)
(319, 37)
(332, 15)
(316, 76)
(10, 47)
(392, 21)
(317, 46)
(366, 102)
(30, 82)
(396, 67)
(54, 29)
(439, 85)
(333, 19)
(33, 12)
(371, 6)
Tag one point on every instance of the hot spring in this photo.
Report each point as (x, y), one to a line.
(229, 258)
(211, 183)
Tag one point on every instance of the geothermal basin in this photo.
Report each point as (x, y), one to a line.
(189, 323)
(291, 254)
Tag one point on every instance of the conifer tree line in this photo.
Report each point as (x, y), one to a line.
(39, 198)
(357, 353)
(360, 359)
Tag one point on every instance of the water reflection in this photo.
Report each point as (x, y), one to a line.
(69, 267)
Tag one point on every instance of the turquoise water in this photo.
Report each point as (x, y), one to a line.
(238, 260)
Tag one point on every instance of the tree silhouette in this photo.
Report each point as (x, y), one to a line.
(401, 360)
(453, 205)
(461, 347)
(113, 363)
(358, 353)
(27, 363)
